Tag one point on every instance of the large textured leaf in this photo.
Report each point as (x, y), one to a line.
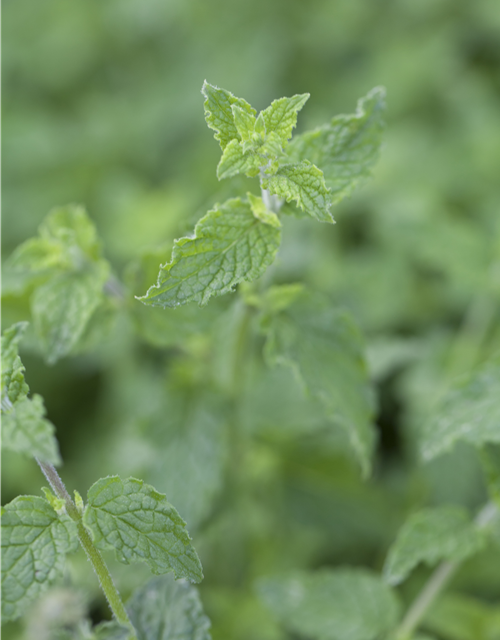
(342, 604)
(347, 148)
(431, 535)
(168, 610)
(24, 427)
(304, 184)
(63, 306)
(324, 348)
(138, 522)
(219, 114)
(470, 412)
(230, 244)
(34, 543)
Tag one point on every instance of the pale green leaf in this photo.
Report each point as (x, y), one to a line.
(431, 535)
(140, 524)
(341, 604)
(168, 610)
(14, 388)
(281, 116)
(219, 113)
(24, 427)
(469, 412)
(34, 543)
(67, 240)
(63, 306)
(244, 121)
(230, 245)
(324, 348)
(235, 160)
(346, 149)
(304, 184)
(111, 631)
(26, 430)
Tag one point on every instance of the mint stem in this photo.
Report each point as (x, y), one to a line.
(438, 581)
(93, 554)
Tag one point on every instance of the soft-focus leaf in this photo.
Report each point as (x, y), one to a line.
(231, 244)
(490, 458)
(347, 148)
(304, 184)
(26, 430)
(24, 427)
(219, 115)
(340, 604)
(165, 609)
(138, 522)
(14, 388)
(431, 535)
(62, 308)
(459, 617)
(469, 412)
(324, 348)
(34, 543)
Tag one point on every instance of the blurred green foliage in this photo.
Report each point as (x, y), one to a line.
(102, 106)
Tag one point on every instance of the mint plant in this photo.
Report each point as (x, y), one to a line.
(277, 353)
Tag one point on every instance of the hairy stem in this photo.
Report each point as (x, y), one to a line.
(438, 580)
(93, 554)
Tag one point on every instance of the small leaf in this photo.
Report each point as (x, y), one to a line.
(303, 183)
(244, 121)
(431, 535)
(138, 522)
(219, 113)
(14, 388)
(235, 160)
(168, 610)
(24, 427)
(347, 148)
(34, 543)
(341, 604)
(230, 245)
(324, 349)
(470, 412)
(63, 306)
(281, 116)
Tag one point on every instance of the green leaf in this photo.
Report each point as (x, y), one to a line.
(14, 388)
(24, 427)
(281, 116)
(168, 610)
(230, 244)
(138, 522)
(341, 604)
(34, 543)
(460, 617)
(431, 535)
(346, 149)
(469, 412)
(219, 114)
(25, 430)
(67, 240)
(63, 306)
(235, 160)
(304, 184)
(244, 121)
(324, 348)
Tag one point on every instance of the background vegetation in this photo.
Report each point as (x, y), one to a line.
(102, 106)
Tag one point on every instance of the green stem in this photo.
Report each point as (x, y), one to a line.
(438, 580)
(93, 554)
